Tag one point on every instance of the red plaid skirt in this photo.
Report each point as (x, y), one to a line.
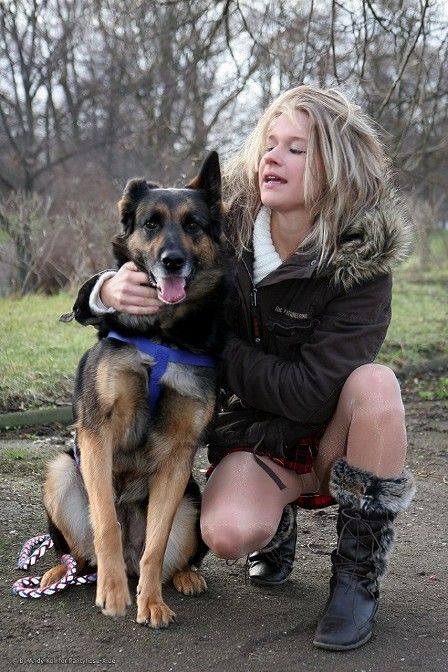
(301, 460)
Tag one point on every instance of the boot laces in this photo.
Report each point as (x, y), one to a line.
(274, 557)
(230, 563)
(350, 565)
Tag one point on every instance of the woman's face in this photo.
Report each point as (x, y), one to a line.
(282, 166)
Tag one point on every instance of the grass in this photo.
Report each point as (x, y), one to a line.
(439, 391)
(39, 355)
(419, 327)
(17, 454)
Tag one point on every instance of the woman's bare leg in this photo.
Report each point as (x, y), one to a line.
(242, 505)
(368, 426)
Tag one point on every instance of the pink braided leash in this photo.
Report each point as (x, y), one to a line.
(34, 549)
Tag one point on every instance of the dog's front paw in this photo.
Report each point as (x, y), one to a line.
(155, 614)
(189, 582)
(112, 593)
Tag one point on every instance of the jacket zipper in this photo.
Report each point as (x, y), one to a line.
(254, 309)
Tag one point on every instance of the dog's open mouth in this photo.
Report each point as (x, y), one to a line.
(171, 289)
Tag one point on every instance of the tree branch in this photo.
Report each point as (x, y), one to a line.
(404, 61)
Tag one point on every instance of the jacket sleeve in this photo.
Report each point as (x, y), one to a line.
(350, 333)
(81, 309)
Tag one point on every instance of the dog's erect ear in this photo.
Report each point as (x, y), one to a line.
(209, 179)
(134, 191)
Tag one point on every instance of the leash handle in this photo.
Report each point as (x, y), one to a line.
(34, 549)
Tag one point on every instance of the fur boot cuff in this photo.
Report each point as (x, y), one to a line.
(361, 490)
(284, 530)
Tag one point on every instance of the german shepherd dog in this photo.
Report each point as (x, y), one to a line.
(133, 507)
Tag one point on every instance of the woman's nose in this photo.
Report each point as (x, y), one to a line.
(273, 156)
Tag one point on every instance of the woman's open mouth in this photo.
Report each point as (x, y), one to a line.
(273, 179)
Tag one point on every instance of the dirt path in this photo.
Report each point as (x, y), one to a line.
(236, 627)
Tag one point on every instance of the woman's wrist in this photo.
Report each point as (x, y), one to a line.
(97, 302)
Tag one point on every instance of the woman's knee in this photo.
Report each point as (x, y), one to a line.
(375, 387)
(230, 539)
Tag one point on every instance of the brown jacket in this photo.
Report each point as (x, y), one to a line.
(314, 330)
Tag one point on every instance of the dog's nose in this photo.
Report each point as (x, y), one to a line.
(172, 260)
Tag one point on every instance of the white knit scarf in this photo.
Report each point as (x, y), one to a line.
(266, 257)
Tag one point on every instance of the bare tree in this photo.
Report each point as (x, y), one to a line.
(37, 42)
(95, 91)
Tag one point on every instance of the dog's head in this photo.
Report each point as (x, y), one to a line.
(172, 234)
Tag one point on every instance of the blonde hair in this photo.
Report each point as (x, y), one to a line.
(349, 177)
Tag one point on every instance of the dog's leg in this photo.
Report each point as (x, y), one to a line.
(182, 547)
(65, 501)
(172, 478)
(112, 593)
(176, 448)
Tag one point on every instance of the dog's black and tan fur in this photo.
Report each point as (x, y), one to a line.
(103, 517)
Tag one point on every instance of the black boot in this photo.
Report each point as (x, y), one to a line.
(272, 565)
(365, 527)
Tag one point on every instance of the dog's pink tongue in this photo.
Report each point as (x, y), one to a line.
(171, 290)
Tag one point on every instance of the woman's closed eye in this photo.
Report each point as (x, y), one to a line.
(293, 150)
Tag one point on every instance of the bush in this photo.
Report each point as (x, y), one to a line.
(44, 252)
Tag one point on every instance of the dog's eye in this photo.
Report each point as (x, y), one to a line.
(190, 224)
(153, 222)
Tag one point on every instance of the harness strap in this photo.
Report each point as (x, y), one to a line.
(162, 355)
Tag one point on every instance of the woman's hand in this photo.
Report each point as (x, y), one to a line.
(128, 292)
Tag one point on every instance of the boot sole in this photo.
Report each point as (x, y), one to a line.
(342, 647)
(260, 582)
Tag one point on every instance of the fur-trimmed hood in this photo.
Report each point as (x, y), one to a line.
(373, 243)
(369, 246)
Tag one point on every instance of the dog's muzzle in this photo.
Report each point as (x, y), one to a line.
(171, 275)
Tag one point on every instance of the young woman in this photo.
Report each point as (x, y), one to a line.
(312, 420)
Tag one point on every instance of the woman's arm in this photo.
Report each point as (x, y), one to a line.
(350, 333)
(127, 291)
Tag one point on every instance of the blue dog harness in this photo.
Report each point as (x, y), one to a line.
(162, 356)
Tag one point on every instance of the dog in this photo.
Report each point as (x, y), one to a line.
(132, 508)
